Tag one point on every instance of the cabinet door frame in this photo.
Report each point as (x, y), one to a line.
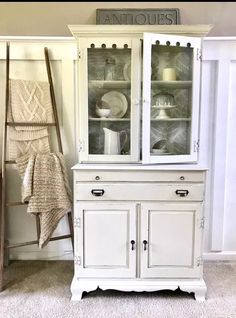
(161, 271)
(82, 129)
(104, 271)
(148, 40)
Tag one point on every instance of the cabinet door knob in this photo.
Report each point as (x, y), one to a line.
(145, 245)
(97, 192)
(182, 193)
(132, 244)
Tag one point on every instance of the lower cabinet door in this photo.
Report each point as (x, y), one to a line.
(170, 240)
(105, 239)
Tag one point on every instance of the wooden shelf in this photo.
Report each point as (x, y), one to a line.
(109, 84)
(170, 119)
(172, 84)
(127, 84)
(128, 119)
(109, 119)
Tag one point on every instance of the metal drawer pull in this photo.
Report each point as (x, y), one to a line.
(97, 178)
(132, 243)
(97, 192)
(182, 178)
(144, 245)
(182, 193)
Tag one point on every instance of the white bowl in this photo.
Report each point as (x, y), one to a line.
(103, 112)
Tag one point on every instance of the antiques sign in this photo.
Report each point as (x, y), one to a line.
(138, 16)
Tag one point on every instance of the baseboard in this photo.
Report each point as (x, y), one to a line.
(220, 256)
(42, 255)
(68, 255)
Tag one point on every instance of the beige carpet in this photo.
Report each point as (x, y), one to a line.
(42, 289)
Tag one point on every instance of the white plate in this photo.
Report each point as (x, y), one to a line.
(127, 71)
(117, 103)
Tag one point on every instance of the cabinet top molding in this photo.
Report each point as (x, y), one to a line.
(139, 167)
(110, 30)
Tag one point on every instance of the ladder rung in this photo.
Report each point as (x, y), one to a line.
(29, 124)
(22, 244)
(56, 238)
(16, 203)
(36, 242)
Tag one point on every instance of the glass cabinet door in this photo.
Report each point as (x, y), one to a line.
(171, 81)
(109, 101)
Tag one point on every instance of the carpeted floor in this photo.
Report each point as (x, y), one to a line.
(41, 289)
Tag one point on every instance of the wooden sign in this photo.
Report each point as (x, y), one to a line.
(138, 16)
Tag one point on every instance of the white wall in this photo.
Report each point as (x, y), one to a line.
(52, 18)
(218, 102)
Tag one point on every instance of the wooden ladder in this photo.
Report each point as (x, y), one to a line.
(4, 245)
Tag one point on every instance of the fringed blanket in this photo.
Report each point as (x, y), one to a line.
(46, 189)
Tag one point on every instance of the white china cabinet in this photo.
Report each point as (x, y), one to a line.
(138, 94)
(138, 189)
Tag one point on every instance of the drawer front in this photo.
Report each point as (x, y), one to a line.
(141, 191)
(145, 176)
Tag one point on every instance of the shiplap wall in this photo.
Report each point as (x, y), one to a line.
(217, 141)
(27, 62)
(218, 99)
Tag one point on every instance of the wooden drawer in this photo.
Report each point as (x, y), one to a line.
(133, 176)
(139, 191)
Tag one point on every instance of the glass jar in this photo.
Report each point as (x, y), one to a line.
(109, 70)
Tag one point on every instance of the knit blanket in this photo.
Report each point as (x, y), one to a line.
(46, 189)
(18, 147)
(29, 101)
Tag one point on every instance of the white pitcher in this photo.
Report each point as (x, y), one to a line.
(112, 143)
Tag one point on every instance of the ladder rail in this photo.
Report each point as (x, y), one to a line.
(54, 106)
(3, 181)
(46, 54)
(3, 245)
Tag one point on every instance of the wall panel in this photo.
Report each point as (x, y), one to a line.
(27, 62)
(220, 92)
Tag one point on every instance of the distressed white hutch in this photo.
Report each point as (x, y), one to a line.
(138, 185)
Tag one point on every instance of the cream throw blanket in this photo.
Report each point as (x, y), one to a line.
(30, 101)
(46, 189)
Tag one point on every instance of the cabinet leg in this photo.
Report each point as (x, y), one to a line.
(198, 288)
(76, 295)
(78, 286)
(200, 295)
(76, 290)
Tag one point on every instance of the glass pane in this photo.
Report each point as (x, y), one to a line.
(171, 99)
(109, 91)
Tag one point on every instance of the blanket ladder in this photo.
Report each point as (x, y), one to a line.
(4, 244)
